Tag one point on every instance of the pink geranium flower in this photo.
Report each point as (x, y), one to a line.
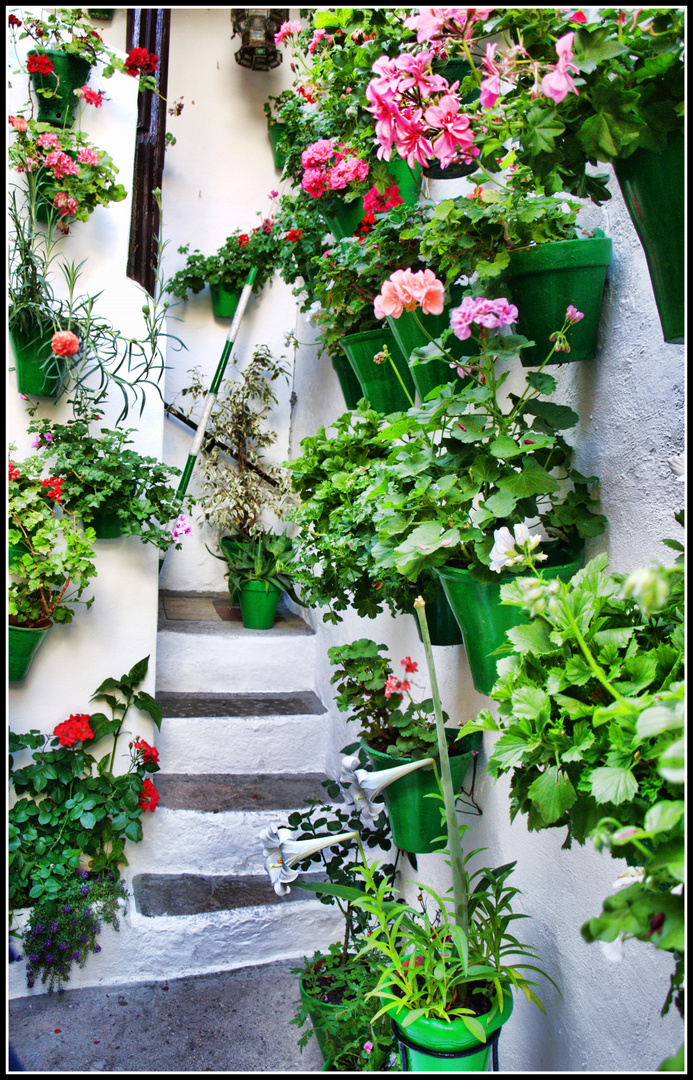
(456, 133)
(314, 182)
(317, 153)
(557, 84)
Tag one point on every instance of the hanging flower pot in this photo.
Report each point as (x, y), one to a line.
(348, 381)
(542, 281)
(343, 218)
(38, 368)
(105, 523)
(23, 644)
(224, 302)
(443, 627)
(415, 820)
(69, 73)
(408, 179)
(101, 14)
(378, 381)
(482, 618)
(259, 600)
(652, 185)
(432, 1045)
(276, 130)
(409, 336)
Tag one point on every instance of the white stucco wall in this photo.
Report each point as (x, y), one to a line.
(120, 627)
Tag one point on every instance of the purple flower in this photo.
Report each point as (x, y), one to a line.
(84, 889)
(53, 927)
(36, 442)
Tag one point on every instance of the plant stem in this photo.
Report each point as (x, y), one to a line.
(396, 371)
(421, 326)
(593, 665)
(459, 887)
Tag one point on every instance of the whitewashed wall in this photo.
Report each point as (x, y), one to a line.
(120, 627)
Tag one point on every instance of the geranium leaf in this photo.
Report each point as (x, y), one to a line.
(552, 793)
(613, 784)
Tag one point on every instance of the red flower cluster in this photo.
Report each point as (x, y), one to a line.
(39, 65)
(374, 200)
(149, 797)
(141, 62)
(13, 21)
(14, 472)
(309, 97)
(243, 240)
(409, 665)
(77, 727)
(149, 753)
(54, 487)
(293, 235)
(92, 97)
(367, 223)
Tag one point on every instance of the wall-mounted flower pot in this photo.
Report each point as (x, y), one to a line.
(343, 218)
(101, 14)
(73, 72)
(23, 644)
(432, 1045)
(409, 336)
(348, 381)
(415, 820)
(652, 186)
(258, 600)
(482, 618)
(275, 132)
(323, 1015)
(36, 365)
(378, 381)
(105, 523)
(543, 280)
(224, 302)
(408, 179)
(443, 627)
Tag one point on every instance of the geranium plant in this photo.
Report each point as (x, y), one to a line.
(101, 473)
(70, 177)
(69, 824)
(229, 267)
(52, 559)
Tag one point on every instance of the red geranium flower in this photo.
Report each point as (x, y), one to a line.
(14, 473)
(54, 488)
(149, 797)
(139, 61)
(409, 664)
(294, 234)
(244, 239)
(149, 753)
(39, 65)
(13, 21)
(74, 729)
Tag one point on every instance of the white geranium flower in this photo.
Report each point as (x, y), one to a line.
(613, 950)
(630, 875)
(282, 853)
(503, 552)
(365, 786)
(677, 464)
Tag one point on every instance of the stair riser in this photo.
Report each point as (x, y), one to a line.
(191, 842)
(174, 947)
(270, 744)
(200, 663)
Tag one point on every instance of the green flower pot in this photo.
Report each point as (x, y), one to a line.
(73, 72)
(423, 1042)
(224, 302)
(258, 600)
(101, 14)
(23, 644)
(348, 381)
(415, 820)
(378, 381)
(275, 132)
(543, 280)
(408, 180)
(323, 1015)
(652, 185)
(442, 624)
(105, 523)
(409, 336)
(36, 365)
(482, 618)
(344, 218)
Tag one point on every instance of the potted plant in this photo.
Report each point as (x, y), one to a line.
(50, 573)
(395, 734)
(259, 571)
(469, 466)
(112, 488)
(300, 235)
(67, 47)
(524, 244)
(70, 176)
(68, 827)
(227, 270)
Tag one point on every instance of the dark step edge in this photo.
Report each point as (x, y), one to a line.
(214, 793)
(176, 705)
(158, 895)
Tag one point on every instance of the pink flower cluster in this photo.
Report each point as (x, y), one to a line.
(64, 204)
(556, 84)
(92, 97)
(406, 289)
(329, 168)
(182, 527)
(287, 29)
(435, 24)
(417, 112)
(489, 314)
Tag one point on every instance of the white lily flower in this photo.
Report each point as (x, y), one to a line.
(365, 785)
(282, 853)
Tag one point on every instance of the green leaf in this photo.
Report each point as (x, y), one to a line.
(543, 128)
(87, 821)
(533, 638)
(533, 480)
(509, 751)
(672, 763)
(558, 416)
(663, 816)
(541, 381)
(613, 784)
(552, 793)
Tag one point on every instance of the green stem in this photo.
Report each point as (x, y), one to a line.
(421, 326)
(396, 371)
(459, 887)
(593, 665)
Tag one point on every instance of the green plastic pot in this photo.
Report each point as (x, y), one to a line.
(442, 624)
(379, 382)
(408, 179)
(409, 336)
(348, 381)
(105, 523)
(32, 350)
(101, 14)
(321, 1014)
(653, 189)
(224, 301)
(426, 1038)
(258, 600)
(415, 820)
(73, 72)
(343, 218)
(23, 644)
(275, 132)
(482, 618)
(543, 280)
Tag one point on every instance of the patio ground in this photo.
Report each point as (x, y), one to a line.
(233, 1021)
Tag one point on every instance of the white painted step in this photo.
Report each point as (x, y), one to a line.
(240, 744)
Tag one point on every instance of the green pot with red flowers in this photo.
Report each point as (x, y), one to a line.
(227, 270)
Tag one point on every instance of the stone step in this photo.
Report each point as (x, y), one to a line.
(216, 792)
(197, 894)
(239, 705)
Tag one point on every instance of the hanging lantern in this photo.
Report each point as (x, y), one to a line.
(256, 28)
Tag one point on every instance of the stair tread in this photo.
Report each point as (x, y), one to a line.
(234, 705)
(194, 894)
(211, 613)
(219, 792)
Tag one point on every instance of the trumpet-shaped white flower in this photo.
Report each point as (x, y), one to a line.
(613, 950)
(365, 785)
(504, 552)
(281, 853)
(630, 875)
